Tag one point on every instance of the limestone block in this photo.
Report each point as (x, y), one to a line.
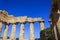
(39, 19)
(21, 19)
(30, 20)
(35, 19)
(11, 20)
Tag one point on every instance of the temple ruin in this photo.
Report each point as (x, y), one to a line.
(10, 19)
(54, 23)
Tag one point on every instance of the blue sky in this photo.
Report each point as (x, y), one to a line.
(29, 8)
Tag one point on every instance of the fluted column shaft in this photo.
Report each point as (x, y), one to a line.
(22, 32)
(12, 37)
(53, 30)
(31, 31)
(0, 27)
(42, 32)
(58, 27)
(5, 32)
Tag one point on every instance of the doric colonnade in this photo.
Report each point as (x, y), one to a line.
(9, 19)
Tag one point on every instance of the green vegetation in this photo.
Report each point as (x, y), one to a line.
(48, 34)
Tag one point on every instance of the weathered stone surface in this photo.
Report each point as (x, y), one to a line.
(30, 20)
(23, 19)
(12, 37)
(5, 33)
(53, 31)
(21, 32)
(58, 27)
(31, 31)
(4, 17)
(0, 27)
(42, 32)
(55, 17)
(35, 19)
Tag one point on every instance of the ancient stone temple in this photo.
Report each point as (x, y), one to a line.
(55, 19)
(10, 19)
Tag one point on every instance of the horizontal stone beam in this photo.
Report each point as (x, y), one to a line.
(11, 19)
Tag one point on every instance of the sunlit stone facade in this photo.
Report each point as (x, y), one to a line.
(10, 19)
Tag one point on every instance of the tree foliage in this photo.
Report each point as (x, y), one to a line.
(48, 34)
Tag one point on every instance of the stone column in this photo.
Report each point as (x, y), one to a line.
(22, 32)
(31, 30)
(58, 26)
(42, 32)
(53, 31)
(5, 32)
(12, 37)
(22, 21)
(0, 27)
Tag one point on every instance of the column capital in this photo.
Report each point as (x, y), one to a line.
(22, 19)
(50, 21)
(30, 20)
(13, 23)
(22, 22)
(6, 23)
(40, 20)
